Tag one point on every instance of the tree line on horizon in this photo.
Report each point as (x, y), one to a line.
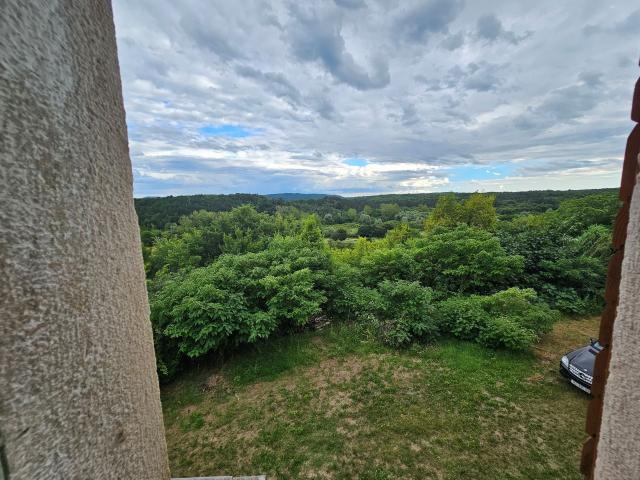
(159, 211)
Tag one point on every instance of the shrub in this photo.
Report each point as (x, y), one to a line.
(522, 305)
(567, 300)
(372, 231)
(512, 318)
(338, 234)
(569, 272)
(406, 313)
(506, 332)
(292, 297)
(388, 264)
(463, 317)
(238, 299)
(399, 311)
(465, 260)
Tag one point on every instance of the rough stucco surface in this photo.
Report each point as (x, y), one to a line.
(79, 395)
(618, 453)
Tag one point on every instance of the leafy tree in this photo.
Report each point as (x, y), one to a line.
(477, 211)
(465, 260)
(311, 230)
(389, 264)
(577, 214)
(398, 235)
(365, 219)
(170, 254)
(445, 213)
(372, 231)
(388, 211)
(352, 214)
(568, 271)
(339, 234)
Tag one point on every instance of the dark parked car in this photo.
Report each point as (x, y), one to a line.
(577, 366)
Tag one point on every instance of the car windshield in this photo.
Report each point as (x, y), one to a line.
(596, 345)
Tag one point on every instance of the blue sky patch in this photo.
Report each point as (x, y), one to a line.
(226, 130)
(356, 162)
(479, 172)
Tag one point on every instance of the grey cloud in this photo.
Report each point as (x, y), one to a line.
(628, 26)
(319, 39)
(558, 165)
(479, 77)
(409, 115)
(453, 42)
(490, 29)
(563, 105)
(350, 4)
(405, 113)
(325, 108)
(276, 83)
(591, 78)
(208, 36)
(433, 16)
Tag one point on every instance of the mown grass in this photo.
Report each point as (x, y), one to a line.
(331, 405)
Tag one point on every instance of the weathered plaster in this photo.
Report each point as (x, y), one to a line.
(618, 453)
(79, 395)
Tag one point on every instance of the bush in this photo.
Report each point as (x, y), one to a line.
(463, 317)
(406, 313)
(506, 332)
(399, 312)
(567, 300)
(372, 231)
(512, 318)
(292, 297)
(338, 234)
(569, 272)
(238, 299)
(389, 264)
(522, 305)
(465, 260)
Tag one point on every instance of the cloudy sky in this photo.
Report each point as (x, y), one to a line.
(373, 96)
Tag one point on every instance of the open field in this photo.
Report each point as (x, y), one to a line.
(329, 405)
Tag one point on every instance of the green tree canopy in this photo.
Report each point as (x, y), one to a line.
(477, 211)
(388, 211)
(465, 260)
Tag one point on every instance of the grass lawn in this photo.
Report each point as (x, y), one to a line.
(330, 405)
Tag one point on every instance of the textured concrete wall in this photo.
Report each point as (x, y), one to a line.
(618, 453)
(79, 395)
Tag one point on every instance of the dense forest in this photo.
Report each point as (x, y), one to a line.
(498, 269)
(158, 211)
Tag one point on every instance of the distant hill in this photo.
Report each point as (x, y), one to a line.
(289, 197)
(158, 211)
